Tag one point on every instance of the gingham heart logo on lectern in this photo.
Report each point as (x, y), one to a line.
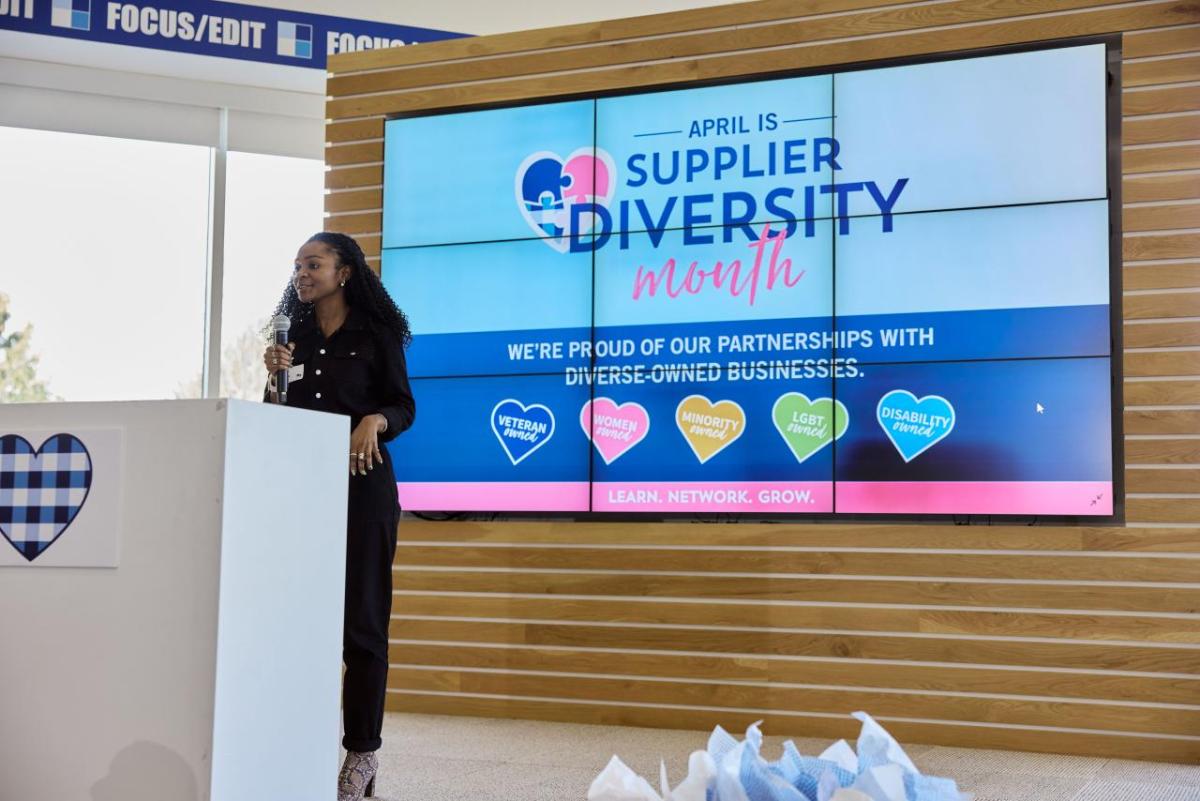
(41, 491)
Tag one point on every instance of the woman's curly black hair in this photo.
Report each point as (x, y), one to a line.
(364, 291)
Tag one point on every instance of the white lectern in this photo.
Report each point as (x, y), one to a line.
(206, 663)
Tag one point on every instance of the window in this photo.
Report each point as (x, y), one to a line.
(104, 259)
(272, 204)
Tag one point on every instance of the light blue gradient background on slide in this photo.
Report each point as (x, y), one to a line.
(1003, 258)
(497, 286)
(1018, 128)
(452, 177)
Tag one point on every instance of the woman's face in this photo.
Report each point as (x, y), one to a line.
(317, 274)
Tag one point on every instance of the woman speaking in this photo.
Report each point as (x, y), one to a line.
(346, 356)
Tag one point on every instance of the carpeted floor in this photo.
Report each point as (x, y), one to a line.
(434, 758)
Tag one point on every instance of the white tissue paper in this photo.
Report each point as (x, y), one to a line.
(617, 782)
(701, 777)
(842, 755)
(730, 770)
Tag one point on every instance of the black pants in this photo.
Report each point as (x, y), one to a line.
(370, 549)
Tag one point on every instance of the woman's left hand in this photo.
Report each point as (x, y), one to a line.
(364, 445)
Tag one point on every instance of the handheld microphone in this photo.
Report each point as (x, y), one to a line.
(280, 325)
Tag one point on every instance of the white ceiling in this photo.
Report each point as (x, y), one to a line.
(488, 16)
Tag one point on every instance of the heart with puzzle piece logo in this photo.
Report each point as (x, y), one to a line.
(548, 186)
(42, 490)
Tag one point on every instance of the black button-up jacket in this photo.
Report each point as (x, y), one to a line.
(356, 372)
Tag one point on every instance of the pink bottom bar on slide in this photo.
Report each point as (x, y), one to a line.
(976, 497)
(1074, 498)
(494, 496)
(713, 496)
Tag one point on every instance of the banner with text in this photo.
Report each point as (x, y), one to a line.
(210, 28)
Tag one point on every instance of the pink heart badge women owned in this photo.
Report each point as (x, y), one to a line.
(614, 429)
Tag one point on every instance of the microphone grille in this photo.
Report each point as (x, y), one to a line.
(280, 322)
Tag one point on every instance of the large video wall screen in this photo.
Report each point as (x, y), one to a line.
(878, 291)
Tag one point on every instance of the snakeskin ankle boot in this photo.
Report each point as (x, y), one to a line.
(356, 779)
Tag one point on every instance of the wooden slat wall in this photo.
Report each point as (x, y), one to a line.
(1079, 640)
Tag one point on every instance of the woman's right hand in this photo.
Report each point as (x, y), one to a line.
(278, 357)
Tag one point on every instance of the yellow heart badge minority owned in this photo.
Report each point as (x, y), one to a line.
(708, 427)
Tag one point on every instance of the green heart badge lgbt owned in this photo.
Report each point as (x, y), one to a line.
(806, 425)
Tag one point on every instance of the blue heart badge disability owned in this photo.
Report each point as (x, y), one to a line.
(914, 425)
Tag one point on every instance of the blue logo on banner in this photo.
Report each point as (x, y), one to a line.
(295, 40)
(73, 14)
(521, 429)
(914, 426)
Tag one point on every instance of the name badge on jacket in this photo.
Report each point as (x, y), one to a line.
(295, 373)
